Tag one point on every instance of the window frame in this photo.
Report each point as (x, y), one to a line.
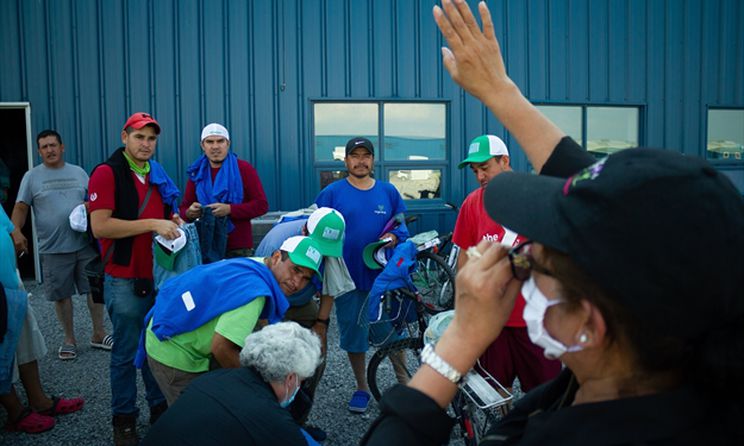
(718, 162)
(584, 106)
(383, 167)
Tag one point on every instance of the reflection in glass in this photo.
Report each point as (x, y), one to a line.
(610, 129)
(415, 131)
(329, 176)
(725, 134)
(416, 184)
(336, 123)
(567, 118)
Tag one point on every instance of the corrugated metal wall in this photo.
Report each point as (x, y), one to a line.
(84, 65)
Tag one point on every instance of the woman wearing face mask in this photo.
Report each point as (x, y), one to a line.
(246, 405)
(634, 279)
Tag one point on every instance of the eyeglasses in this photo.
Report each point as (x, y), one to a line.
(522, 262)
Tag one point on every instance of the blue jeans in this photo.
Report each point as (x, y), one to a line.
(188, 258)
(127, 313)
(212, 236)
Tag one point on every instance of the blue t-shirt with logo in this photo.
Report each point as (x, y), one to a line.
(366, 212)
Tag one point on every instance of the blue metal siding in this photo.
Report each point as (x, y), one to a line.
(257, 66)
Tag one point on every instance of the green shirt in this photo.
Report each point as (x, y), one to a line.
(191, 351)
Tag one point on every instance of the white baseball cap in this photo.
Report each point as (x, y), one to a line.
(79, 218)
(215, 129)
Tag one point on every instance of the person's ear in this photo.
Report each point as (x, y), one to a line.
(124, 137)
(594, 330)
(276, 257)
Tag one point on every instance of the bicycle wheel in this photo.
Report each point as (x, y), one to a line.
(472, 422)
(382, 375)
(435, 282)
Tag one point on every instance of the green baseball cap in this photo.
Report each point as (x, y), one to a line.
(483, 148)
(374, 254)
(326, 226)
(166, 250)
(303, 251)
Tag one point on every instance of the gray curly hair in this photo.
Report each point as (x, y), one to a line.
(281, 349)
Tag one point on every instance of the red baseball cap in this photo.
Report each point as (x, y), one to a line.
(139, 120)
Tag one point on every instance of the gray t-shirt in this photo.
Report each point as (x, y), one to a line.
(52, 194)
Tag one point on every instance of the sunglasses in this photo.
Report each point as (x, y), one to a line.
(522, 262)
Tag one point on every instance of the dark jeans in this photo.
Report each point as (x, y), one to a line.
(212, 236)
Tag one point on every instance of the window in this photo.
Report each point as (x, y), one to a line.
(567, 118)
(410, 140)
(609, 129)
(601, 130)
(725, 134)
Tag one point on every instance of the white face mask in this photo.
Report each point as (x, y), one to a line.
(534, 313)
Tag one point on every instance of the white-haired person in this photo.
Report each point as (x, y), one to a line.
(246, 405)
(648, 320)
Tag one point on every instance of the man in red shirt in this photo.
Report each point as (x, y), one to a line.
(512, 354)
(131, 197)
(229, 187)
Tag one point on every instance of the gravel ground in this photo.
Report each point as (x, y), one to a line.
(88, 376)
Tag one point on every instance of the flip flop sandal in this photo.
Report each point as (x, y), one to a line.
(106, 343)
(30, 423)
(61, 406)
(67, 352)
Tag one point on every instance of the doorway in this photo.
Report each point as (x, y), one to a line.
(15, 160)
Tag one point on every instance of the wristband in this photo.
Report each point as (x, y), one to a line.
(325, 322)
(430, 358)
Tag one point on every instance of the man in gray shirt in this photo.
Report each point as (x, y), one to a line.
(53, 189)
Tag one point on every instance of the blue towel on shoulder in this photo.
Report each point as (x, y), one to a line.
(190, 300)
(167, 188)
(227, 186)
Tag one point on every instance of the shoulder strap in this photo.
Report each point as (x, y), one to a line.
(141, 209)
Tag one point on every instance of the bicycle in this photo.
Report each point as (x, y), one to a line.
(481, 399)
(434, 276)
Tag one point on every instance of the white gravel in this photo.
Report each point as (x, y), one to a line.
(88, 376)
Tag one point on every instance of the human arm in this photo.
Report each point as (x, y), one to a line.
(190, 208)
(485, 294)
(324, 318)
(106, 226)
(18, 217)
(254, 202)
(231, 330)
(474, 60)
(225, 352)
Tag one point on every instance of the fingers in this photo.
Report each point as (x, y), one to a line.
(488, 28)
(466, 16)
(453, 40)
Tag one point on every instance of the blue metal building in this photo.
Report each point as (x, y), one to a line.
(293, 79)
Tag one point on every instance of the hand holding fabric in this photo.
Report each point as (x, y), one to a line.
(220, 209)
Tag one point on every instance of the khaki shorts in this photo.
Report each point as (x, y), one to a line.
(63, 274)
(31, 343)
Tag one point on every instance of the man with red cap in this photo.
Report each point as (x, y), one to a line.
(131, 197)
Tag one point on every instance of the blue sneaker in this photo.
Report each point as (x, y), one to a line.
(359, 401)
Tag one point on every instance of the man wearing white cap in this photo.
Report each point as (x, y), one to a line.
(201, 319)
(227, 187)
(512, 354)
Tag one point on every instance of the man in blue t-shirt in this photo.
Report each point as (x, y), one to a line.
(367, 205)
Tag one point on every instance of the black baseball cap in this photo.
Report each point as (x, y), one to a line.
(661, 233)
(353, 143)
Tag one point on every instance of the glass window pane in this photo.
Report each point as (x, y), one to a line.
(609, 129)
(416, 184)
(415, 131)
(329, 176)
(567, 118)
(725, 134)
(336, 123)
